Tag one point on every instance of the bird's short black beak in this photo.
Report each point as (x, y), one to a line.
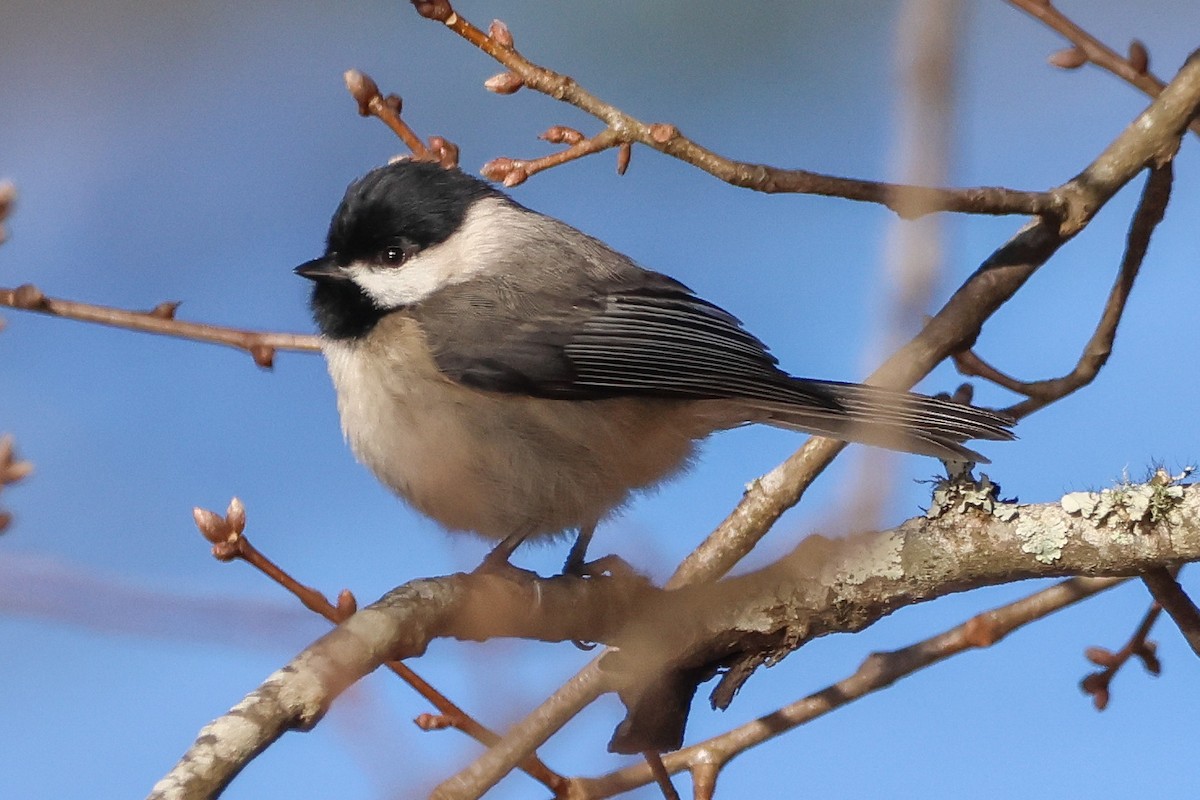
(322, 270)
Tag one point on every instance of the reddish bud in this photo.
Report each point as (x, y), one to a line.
(263, 355)
(5, 520)
(1139, 57)
(362, 89)
(433, 722)
(561, 134)
(165, 310)
(497, 169)
(28, 297)
(444, 151)
(1101, 657)
(347, 604)
(516, 177)
(504, 83)
(235, 516)
(1070, 58)
(624, 153)
(212, 525)
(394, 103)
(500, 34)
(663, 132)
(439, 10)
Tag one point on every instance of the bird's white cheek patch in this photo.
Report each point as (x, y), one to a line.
(459, 258)
(391, 287)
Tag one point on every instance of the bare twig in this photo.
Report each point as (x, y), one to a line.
(879, 671)
(227, 536)
(373, 104)
(760, 177)
(1087, 48)
(11, 471)
(1150, 211)
(1097, 684)
(261, 345)
(513, 172)
(1170, 595)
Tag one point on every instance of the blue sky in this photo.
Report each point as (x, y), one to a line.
(195, 151)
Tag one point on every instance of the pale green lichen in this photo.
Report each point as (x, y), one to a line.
(961, 494)
(1132, 504)
(875, 557)
(1043, 540)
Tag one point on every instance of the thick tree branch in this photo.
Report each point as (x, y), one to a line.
(824, 586)
(1151, 139)
(904, 200)
(704, 760)
(261, 345)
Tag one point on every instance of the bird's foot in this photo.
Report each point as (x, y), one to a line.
(610, 565)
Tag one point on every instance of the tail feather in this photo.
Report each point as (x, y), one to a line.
(896, 420)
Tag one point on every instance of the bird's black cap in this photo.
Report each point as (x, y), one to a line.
(416, 204)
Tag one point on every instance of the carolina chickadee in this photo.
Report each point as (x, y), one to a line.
(509, 375)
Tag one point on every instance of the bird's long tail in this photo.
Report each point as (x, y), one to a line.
(904, 421)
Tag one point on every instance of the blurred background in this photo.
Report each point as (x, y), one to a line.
(194, 152)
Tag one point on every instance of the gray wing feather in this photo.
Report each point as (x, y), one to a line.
(642, 333)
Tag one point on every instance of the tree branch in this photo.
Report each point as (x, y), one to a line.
(1150, 139)
(1134, 70)
(667, 139)
(1150, 212)
(261, 345)
(704, 760)
(822, 587)
(228, 538)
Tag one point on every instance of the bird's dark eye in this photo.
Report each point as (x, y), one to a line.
(393, 255)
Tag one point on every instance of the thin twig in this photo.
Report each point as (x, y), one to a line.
(1133, 70)
(878, 671)
(11, 471)
(229, 541)
(261, 345)
(513, 172)
(1170, 595)
(1097, 684)
(1149, 213)
(667, 139)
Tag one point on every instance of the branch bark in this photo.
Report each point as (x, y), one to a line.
(822, 587)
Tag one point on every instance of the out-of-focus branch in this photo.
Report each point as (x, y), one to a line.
(8, 198)
(228, 538)
(1150, 211)
(11, 471)
(261, 345)
(704, 760)
(1086, 48)
(1152, 138)
(667, 139)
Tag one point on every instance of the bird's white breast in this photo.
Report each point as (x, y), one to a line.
(494, 463)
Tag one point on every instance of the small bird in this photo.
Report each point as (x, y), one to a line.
(511, 376)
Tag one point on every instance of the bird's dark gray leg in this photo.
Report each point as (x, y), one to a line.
(497, 560)
(575, 564)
